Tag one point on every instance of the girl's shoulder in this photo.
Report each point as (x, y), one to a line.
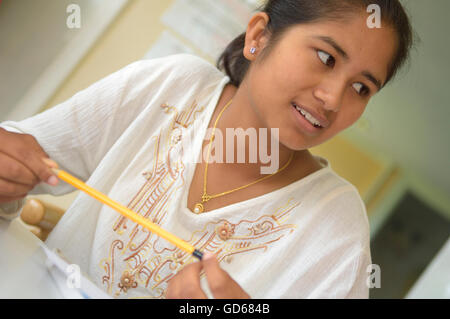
(182, 65)
(332, 197)
(177, 76)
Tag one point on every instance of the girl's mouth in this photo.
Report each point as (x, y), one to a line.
(308, 117)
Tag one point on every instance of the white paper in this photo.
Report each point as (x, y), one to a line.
(58, 266)
(209, 25)
(167, 44)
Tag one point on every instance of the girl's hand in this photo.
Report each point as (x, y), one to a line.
(186, 283)
(23, 164)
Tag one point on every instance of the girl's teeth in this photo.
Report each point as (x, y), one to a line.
(308, 116)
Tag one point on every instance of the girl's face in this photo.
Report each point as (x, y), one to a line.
(330, 69)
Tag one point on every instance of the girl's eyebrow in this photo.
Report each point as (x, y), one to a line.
(344, 54)
(372, 79)
(333, 43)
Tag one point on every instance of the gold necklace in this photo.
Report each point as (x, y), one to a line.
(199, 208)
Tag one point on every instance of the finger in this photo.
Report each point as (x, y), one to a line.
(38, 149)
(35, 163)
(53, 180)
(215, 276)
(42, 170)
(186, 283)
(50, 163)
(222, 286)
(30, 154)
(15, 171)
(190, 279)
(11, 189)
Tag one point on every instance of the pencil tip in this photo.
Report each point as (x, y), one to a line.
(197, 253)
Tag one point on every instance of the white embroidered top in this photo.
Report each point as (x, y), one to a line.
(135, 136)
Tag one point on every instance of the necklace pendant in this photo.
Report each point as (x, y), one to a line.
(205, 198)
(198, 209)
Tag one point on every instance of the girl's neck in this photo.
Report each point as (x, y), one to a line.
(240, 114)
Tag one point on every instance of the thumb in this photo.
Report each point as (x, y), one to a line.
(52, 180)
(211, 266)
(217, 278)
(220, 283)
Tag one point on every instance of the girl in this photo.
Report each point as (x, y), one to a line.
(306, 68)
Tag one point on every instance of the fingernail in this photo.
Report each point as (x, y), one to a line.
(207, 256)
(52, 180)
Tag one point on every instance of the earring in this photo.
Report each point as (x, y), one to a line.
(252, 50)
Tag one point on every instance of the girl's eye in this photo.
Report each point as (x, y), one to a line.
(361, 89)
(326, 58)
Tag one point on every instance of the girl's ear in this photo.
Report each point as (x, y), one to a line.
(256, 35)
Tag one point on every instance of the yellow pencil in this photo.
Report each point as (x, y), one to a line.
(128, 213)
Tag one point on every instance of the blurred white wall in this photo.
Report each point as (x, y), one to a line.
(38, 50)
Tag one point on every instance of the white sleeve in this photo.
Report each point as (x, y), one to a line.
(347, 280)
(359, 288)
(334, 260)
(79, 132)
(333, 278)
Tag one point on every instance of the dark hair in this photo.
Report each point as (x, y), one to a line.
(284, 14)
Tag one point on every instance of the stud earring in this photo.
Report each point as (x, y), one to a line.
(252, 50)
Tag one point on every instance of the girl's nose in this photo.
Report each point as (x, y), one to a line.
(330, 95)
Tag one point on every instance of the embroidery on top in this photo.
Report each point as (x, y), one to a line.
(139, 259)
(152, 199)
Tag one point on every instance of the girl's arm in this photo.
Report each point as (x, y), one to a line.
(334, 251)
(79, 132)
